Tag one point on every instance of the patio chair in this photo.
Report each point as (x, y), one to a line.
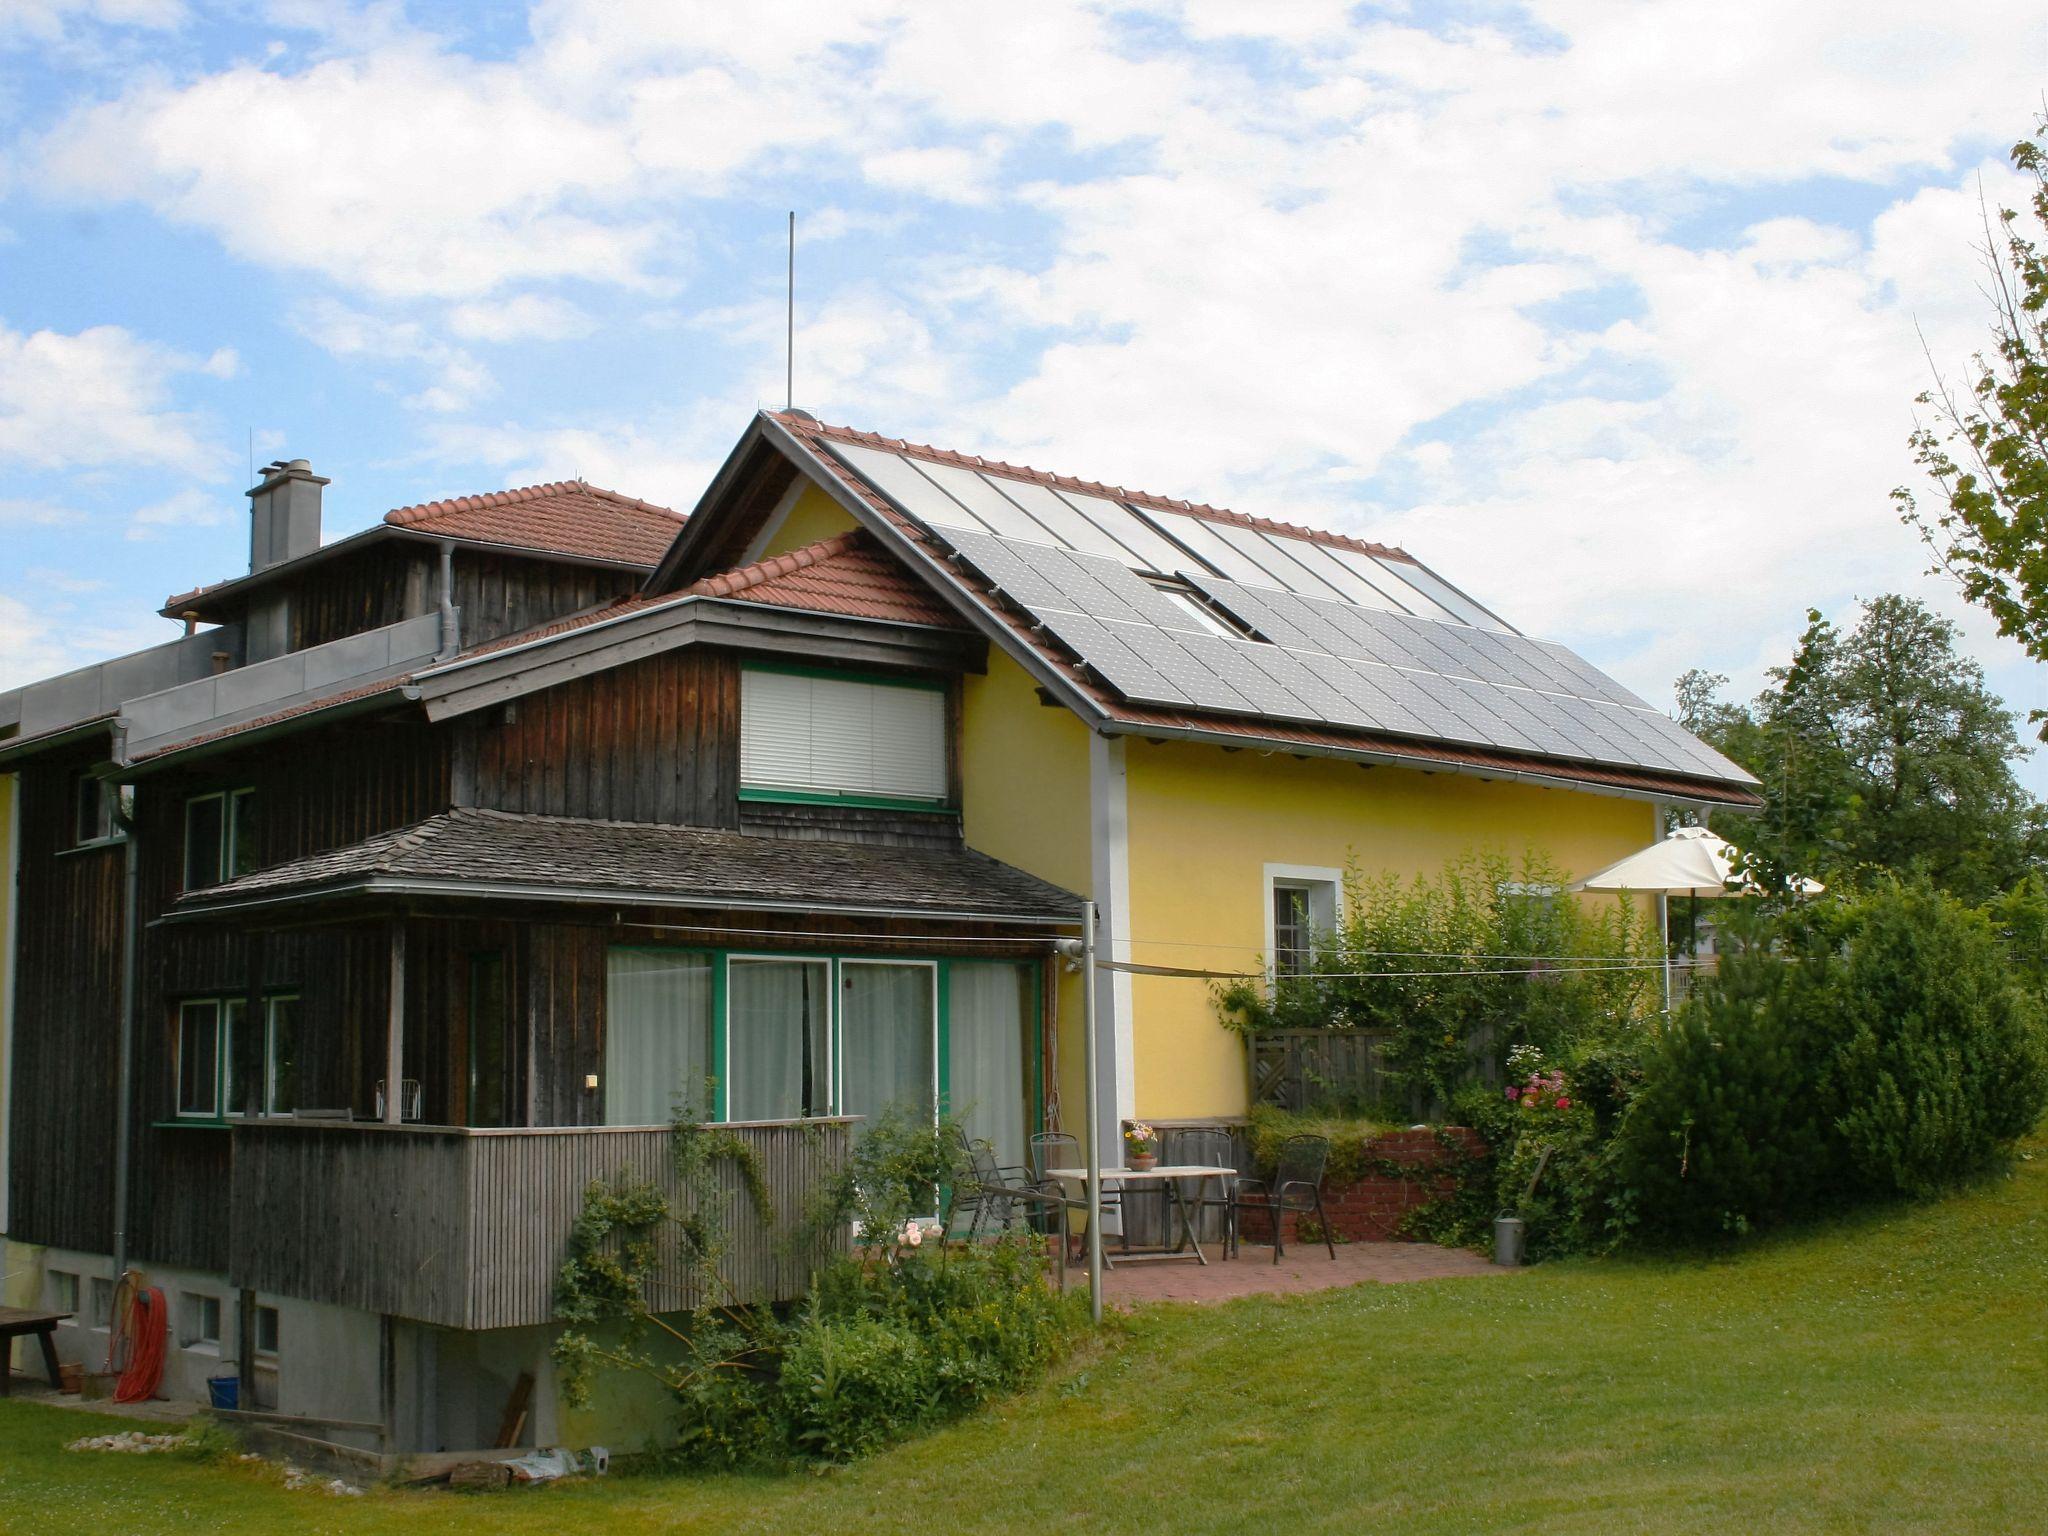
(1057, 1149)
(1296, 1185)
(1217, 1148)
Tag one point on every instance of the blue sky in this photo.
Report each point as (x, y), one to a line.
(1613, 313)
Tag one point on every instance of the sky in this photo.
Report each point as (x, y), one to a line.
(1614, 314)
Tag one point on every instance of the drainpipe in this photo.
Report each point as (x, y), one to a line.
(451, 634)
(131, 966)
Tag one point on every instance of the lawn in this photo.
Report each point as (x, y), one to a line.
(1888, 1372)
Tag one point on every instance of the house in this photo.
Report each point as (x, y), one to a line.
(354, 932)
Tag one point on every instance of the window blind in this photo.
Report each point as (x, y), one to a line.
(839, 736)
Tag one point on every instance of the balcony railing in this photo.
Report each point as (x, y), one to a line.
(468, 1228)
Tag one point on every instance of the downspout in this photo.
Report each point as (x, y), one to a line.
(451, 629)
(131, 966)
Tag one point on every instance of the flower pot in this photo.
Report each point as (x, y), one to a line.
(1140, 1161)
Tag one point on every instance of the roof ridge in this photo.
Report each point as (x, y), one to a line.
(411, 839)
(1200, 509)
(740, 578)
(406, 516)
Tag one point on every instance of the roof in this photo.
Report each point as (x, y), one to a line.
(566, 517)
(848, 573)
(569, 519)
(483, 854)
(1023, 472)
(1418, 674)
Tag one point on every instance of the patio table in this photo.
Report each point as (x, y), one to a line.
(1170, 1175)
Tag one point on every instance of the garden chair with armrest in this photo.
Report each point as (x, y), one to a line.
(1296, 1186)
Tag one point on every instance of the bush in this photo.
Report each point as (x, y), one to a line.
(1485, 952)
(1882, 1048)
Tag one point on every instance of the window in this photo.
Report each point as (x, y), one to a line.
(206, 1030)
(804, 737)
(657, 1034)
(199, 1319)
(492, 1087)
(101, 1312)
(220, 837)
(1192, 607)
(1301, 905)
(280, 1055)
(61, 1286)
(93, 799)
(779, 1018)
(266, 1332)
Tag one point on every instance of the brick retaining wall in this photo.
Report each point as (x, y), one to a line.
(1372, 1209)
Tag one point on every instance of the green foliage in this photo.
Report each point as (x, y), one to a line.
(1986, 449)
(1882, 1049)
(903, 1333)
(1881, 749)
(1351, 1139)
(1487, 951)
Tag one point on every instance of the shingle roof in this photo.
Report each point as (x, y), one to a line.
(567, 517)
(462, 852)
(848, 573)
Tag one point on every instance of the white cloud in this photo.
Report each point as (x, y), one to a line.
(525, 317)
(101, 396)
(183, 509)
(458, 379)
(46, 21)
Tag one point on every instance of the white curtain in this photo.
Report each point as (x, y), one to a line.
(987, 1002)
(777, 1009)
(657, 1036)
(887, 1039)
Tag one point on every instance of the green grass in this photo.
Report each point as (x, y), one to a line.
(1887, 1372)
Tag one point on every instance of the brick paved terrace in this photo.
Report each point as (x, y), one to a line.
(1303, 1269)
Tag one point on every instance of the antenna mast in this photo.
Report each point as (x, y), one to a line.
(789, 335)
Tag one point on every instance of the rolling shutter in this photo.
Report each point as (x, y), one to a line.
(839, 737)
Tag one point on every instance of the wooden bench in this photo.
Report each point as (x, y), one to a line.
(19, 1322)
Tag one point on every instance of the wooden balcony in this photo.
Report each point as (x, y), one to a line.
(468, 1228)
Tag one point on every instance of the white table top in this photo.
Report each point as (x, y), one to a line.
(1136, 1175)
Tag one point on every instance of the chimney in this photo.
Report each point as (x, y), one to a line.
(284, 514)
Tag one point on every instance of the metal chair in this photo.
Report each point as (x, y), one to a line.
(1058, 1149)
(1296, 1185)
(1217, 1148)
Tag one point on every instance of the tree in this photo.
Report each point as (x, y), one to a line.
(1986, 448)
(1879, 748)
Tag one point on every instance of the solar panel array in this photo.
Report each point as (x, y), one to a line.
(1354, 653)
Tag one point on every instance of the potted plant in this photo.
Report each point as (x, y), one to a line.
(1141, 1146)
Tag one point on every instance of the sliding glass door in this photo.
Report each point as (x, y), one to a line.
(659, 1018)
(987, 1068)
(779, 1038)
(888, 1038)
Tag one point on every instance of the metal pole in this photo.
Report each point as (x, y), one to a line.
(1664, 928)
(1093, 1079)
(789, 338)
(394, 1030)
(131, 1002)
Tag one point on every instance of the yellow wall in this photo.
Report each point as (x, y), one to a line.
(1204, 823)
(814, 516)
(1024, 778)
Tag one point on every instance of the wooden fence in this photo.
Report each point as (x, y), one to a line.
(1303, 1069)
(469, 1228)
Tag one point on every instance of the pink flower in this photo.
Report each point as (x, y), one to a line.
(1564, 1103)
(1512, 1095)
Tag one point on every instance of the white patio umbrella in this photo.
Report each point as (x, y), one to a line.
(1690, 862)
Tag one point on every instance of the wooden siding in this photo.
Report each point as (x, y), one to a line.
(468, 1229)
(654, 740)
(504, 594)
(348, 594)
(67, 1020)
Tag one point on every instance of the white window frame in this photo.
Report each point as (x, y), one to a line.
(55, 1282)
(1313, 878)
(192, 1323)
(275, 1347)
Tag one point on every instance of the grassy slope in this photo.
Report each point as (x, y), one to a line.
(1887, 1373)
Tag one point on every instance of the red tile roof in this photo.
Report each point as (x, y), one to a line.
(847, 573)
(816, 430)
(567, 517)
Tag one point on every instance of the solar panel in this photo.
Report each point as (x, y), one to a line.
(1129, 530)
(1199, 536)
(898, 479)
(1442, 593)
(995, 510)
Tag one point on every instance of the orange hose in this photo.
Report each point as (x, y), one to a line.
(148, 1330)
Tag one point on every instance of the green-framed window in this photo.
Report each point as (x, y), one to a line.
(813, 736)
(785, 1036)
(220, 837)
(202, 1056)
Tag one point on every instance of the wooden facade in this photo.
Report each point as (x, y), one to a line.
(467, 1228)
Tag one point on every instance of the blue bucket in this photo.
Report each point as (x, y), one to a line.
(225, 1392)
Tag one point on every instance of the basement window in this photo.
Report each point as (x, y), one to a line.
(61, 1286)
(266, 1333)
(834, 738)
(220, 837)
(199, 1319)
(101, 1313)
